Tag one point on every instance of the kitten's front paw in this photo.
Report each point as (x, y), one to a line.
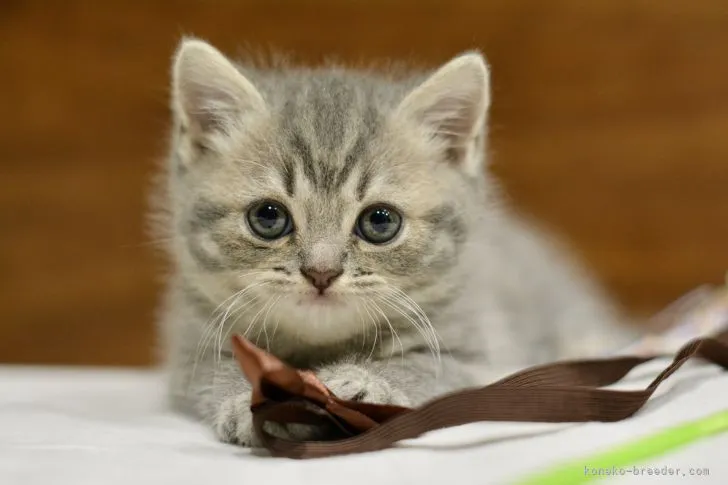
(350, 382)
(234, 425)
(356, 383)
(234, 422)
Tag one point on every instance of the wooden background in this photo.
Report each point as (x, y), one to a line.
(610, 123)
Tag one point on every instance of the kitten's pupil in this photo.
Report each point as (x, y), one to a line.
(268, 216)
(380, 220)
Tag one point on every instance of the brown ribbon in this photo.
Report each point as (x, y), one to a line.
(562, 392)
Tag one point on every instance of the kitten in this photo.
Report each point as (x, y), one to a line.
(346, 221)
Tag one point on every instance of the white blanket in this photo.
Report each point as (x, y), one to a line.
(107, 427)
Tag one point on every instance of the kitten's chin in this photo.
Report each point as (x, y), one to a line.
(319, 319)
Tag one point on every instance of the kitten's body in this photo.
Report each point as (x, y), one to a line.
(326, 144)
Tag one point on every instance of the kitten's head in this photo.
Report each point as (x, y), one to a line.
(324, 196)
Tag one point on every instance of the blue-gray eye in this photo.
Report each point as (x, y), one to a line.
(269, 220)
(378, 224)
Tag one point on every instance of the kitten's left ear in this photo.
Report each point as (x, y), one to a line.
(453, 104)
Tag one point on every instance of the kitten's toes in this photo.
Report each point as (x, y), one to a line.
(349, 382)
(234, 422)
(234, 425)
(356, 383)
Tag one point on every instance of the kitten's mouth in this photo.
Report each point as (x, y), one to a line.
(320, 299)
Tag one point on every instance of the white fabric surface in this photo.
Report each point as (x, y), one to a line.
(107, 427)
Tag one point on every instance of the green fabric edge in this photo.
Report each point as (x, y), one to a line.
(651, 446)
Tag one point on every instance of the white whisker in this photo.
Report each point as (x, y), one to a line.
(422, 313)
(397, 307)
(216, 322)
(209, 325)
(255, 318)
(376, 330)
(265, 320)
(410, 303)
(363, 324)
(275, 329)
(393, 330)
(423, 326)
(246, 304)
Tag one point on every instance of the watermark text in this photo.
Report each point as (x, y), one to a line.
(647, 471)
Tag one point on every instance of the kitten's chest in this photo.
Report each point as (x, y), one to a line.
(308, 356)
(308, 352)
(305, 355)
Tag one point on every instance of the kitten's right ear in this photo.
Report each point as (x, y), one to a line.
(209, 95)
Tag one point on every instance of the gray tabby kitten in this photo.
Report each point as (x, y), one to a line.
(345, 220)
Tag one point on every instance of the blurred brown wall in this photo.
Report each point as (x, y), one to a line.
(610, 123)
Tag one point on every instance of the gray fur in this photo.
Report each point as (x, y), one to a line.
(327, 143)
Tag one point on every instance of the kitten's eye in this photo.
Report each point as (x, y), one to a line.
(269, 220)
(378, 224)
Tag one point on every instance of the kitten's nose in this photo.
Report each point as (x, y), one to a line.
(320, 279)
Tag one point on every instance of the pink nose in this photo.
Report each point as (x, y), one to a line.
(320, 279)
